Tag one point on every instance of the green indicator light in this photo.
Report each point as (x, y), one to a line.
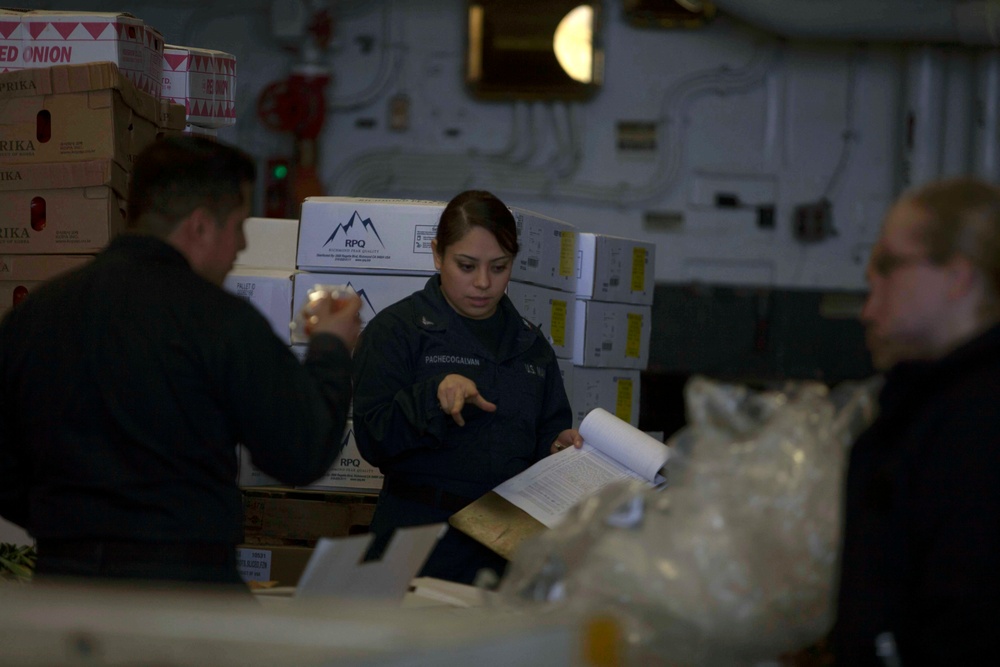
(280, 171)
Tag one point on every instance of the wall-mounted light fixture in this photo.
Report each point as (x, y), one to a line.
(534, 50)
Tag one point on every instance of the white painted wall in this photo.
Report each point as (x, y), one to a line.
(740, 110)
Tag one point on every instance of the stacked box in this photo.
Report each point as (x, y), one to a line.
(264, 272)
(21, 274)
(349, 472)
(611, 335)
(70, 135)
(547, 254)
(376, 291)
(615, 269)
(358, 235)
(69, 113)
(552, 311)
(31, 39)
(614, 287)
(291, 517)
(203, 81)
(270, 290)
(61, 207)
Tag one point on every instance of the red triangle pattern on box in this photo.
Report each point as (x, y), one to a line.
(7, 28)
(65, 28)
(95, 29)
(177, 61)
(35, 28)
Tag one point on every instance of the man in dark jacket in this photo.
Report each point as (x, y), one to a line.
(126, 385)
(920, 577)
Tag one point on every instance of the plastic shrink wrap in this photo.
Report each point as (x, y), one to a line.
(733, 563)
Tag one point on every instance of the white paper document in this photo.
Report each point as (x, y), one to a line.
(612, 450)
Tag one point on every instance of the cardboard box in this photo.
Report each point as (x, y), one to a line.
(547, 254)
(350, 472)
(350, 235)
(270, 291)
(21, 274)
(249, 476)
(300, 517)
(376, 291)
(615, 269)
(282, 564)
(172, 119)
(271, 243)
(206, 132)
(611, 335)
(61, 207)
(613, 389)
(203, 81)
(552, 310)
(72, 113)
(38, 38)
(566, 372)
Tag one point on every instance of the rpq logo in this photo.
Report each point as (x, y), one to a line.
(355, 238)
(346, 462)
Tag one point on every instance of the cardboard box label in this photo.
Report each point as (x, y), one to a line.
(254, 564)
(270, 291)
(623, 400)
(638, 269)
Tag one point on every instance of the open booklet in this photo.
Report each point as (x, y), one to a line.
(540, 496)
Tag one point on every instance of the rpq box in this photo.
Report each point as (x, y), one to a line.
(352, 235)
(38, 38)
(376, 291)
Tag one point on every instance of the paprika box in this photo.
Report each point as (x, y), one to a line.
(74, 112)
(61, 207)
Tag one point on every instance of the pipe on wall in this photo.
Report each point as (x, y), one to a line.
(986, 158)
(973, 23)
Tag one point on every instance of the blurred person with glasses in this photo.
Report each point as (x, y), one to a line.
(920, 562)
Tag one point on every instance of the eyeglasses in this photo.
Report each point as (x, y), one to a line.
(885, 263)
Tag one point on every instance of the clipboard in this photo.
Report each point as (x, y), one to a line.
(496, 523)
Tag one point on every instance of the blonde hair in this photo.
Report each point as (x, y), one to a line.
(963, 217)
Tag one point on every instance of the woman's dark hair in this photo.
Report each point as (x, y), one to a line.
(476, 208)
(176, 175)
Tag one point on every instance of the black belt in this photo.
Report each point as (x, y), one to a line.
(427, 495)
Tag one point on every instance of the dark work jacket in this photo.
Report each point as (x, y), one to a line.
(921, 552)
(404, 353)
(125, 387)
